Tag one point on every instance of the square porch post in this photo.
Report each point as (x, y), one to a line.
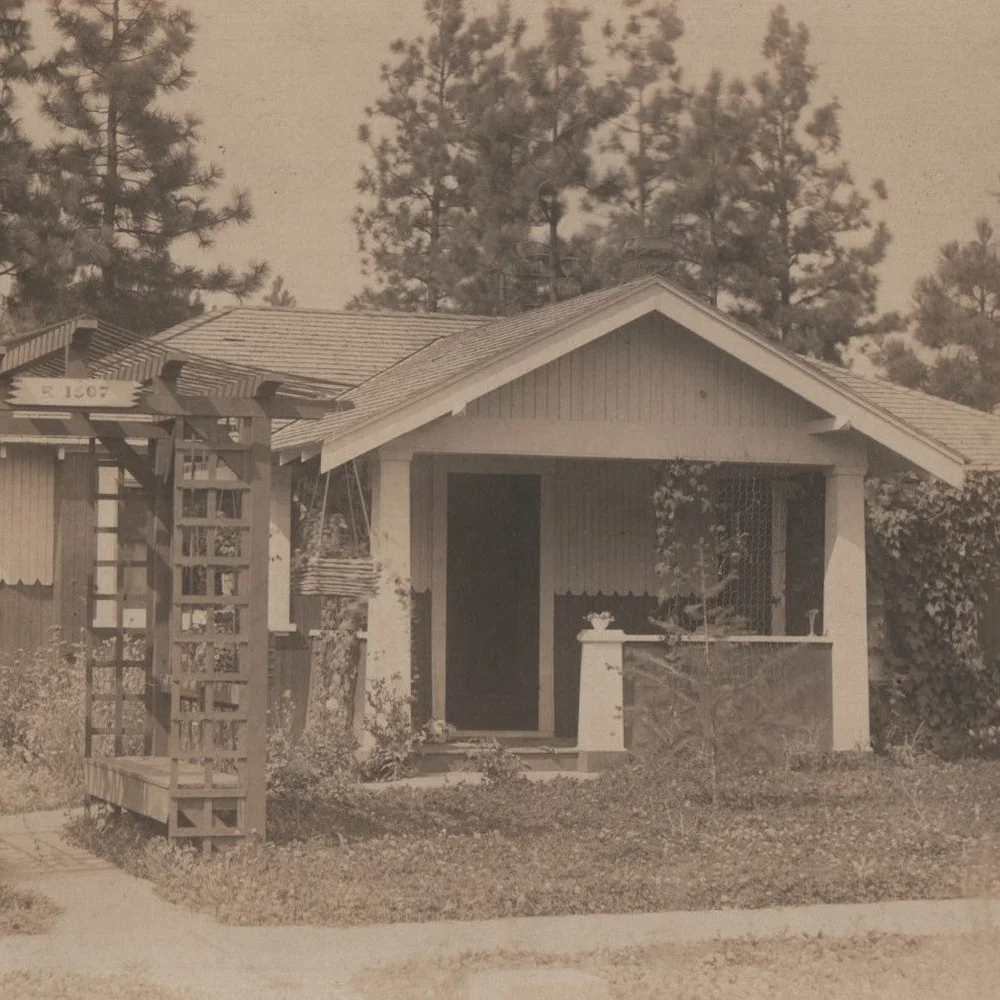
(388, 651)
(845, 606)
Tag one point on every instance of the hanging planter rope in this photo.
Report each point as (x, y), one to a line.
(341, 576)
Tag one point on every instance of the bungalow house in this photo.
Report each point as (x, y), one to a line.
(511, 464)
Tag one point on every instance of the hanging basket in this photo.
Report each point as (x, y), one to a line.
(332, 577)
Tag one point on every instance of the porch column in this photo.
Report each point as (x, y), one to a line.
(845, 612)
(388, 652)
(600, 736)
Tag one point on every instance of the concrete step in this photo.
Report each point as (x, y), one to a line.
(439, 758)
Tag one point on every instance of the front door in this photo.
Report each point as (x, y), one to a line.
(493, 591)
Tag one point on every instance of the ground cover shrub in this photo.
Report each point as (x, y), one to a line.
(24, 912)
(645, 837)
(41, 727)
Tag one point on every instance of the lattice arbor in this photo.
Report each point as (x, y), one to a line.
(178, 647)
(216, 695)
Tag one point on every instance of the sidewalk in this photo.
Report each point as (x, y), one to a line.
(114, 924)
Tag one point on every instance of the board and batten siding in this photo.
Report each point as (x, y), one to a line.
(604, 531)
(27, 547)
(648, 372)
(605, 528)
(27, 516)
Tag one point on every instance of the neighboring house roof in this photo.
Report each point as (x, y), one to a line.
(445, 375)
(343, 347)
(113, 352)
(41, 352)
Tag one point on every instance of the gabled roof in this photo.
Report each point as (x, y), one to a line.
(447, 374)
(343, 347)
(42, 350)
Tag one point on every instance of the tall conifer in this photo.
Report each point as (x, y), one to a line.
(126, 169)
(809, 276)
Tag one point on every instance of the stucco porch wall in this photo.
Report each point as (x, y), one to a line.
(788, 689)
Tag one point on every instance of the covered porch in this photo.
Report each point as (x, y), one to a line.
(512, 470)
(490, 565)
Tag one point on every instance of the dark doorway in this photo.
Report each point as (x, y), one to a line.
(493, 590)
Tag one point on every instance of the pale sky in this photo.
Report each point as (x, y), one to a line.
(282, 86)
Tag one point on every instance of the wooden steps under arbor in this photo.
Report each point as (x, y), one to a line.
(142, 785)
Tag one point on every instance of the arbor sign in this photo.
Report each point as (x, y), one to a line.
(83, 392)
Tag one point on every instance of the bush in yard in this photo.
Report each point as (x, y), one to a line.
(322, 762)
(496, 762)
(24, 912)
(389, 726)
(41, 710)
(699, 697)
(934, 555)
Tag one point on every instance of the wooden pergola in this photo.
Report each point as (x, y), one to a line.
(195, 435)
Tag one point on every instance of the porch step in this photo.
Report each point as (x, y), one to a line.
(541, 755)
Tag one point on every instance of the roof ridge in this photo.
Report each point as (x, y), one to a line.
(631, 286)
(395, 313)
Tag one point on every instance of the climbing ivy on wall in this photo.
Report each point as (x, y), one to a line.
(934, 565)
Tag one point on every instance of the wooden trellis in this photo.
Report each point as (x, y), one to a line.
(177, 730)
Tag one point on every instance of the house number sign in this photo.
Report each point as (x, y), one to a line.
(84, 392)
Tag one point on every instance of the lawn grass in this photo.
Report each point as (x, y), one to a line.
(644, 838)
(24, 912)
(882, 966)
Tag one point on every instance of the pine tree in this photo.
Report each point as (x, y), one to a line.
(36, 247)
(646, 135)
(16, 152)
(495, 235)
(279, 297)
(412, 225)
(956, 315)
(807, 280)
(566, 110)
(126, 170)
(703, 217)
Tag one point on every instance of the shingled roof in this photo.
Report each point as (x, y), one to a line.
(113, 352)
(382, 405)
(973, 433)
(343, 347)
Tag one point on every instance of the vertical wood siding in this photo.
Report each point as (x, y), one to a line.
(76, 544)
(27, 615)
(604, 537)
(605, 531)
(649, 372)
(27, 507)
